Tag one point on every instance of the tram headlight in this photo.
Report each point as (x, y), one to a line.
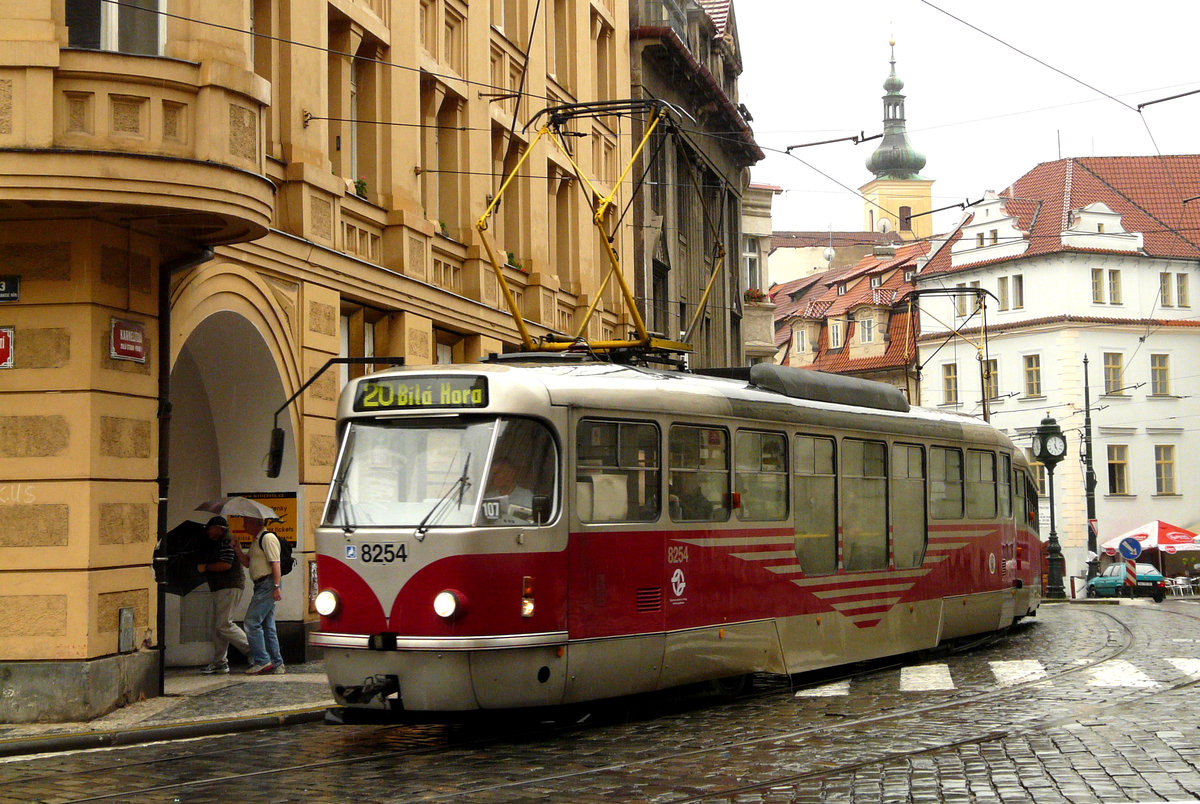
(449, 603)
(326, 602)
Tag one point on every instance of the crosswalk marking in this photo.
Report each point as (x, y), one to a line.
(826, 690)
(1116, 674)
(1017, 671)
(925, 677)
(1119, 673)
(1189, 667)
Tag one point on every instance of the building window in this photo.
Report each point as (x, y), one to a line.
(906, 219)
(866, 328)
(991, 379)
(960, 299)
(799, 341)
(835, 334)
(1033, 375)
(1160, 375)
(979, 240)
(1118, 469)
(132, 26)
(1018, 291)
(841, 289)
(910, 275)
(1097, 286)
(950, 384)
(1100, 228)
(1038, 470)
(876, 281)
(750, 262)
(1114, 287)
(994, 236)
(1164, 290)
(1164, 469)
(1112, 372)
(1002, 291)
(1181, 290)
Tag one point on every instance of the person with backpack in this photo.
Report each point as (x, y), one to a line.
(264, 563)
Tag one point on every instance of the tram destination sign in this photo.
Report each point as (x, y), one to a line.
(420, 393)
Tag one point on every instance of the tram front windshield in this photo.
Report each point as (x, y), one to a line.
(427, 473)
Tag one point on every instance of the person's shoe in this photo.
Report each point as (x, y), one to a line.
(259, 669)
(280, 670)
(214, 668)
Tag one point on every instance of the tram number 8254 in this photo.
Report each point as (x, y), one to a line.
(383, 553)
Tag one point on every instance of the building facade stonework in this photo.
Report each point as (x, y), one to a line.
(335, 164)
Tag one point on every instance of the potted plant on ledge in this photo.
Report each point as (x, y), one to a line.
(754, 295)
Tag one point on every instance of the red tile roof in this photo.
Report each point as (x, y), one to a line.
(901, 348)
(718, 12)
(1146, 191)
(838, 239)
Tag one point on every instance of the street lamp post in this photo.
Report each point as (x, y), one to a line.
(1089, 476)
(1050, 447)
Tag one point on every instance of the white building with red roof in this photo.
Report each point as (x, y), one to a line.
(1095, 258)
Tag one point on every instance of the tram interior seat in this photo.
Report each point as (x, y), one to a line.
(602, 498)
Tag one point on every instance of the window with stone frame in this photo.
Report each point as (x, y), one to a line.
(1164, 469)
(1033, 375)
(1160, 375)
(1118, 469)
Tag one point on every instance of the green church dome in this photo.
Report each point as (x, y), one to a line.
(895, 158)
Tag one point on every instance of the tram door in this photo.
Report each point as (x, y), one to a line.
(616, 557)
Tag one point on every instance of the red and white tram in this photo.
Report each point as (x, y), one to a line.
(547, 531)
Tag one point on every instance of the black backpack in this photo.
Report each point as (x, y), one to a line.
(286, 561)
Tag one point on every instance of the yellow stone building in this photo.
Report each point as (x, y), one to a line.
(201, 203)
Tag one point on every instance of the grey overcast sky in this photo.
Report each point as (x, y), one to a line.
(981, 113)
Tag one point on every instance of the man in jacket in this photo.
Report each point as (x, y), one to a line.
(225, 577)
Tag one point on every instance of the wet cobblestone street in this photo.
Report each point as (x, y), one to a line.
(1082, 704)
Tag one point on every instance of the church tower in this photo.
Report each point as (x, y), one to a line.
(898, 192)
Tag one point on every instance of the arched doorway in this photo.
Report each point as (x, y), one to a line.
(225, 388)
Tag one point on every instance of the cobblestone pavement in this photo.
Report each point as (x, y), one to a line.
(1084, 704)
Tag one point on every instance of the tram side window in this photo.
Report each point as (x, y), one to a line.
(699, 474)
(1005, 492)
(617, 476)
(761, 478)
(816, 501)
(1020, 509)
(864, 505)
(981, 484)
(908, 505)
(945, 483)
(1031, 501)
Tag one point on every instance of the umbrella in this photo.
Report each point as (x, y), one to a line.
(238, 506)
(1156, 535)
(183, 547)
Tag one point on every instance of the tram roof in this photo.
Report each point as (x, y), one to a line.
(619, 386)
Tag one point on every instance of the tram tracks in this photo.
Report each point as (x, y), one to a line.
(1118, 641)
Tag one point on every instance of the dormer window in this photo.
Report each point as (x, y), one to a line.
(835, 334)
(910, 276)
(876, 281)
(841, 289)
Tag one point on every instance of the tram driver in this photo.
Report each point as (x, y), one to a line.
(505, 486)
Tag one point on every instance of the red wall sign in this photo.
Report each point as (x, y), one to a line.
(127, 340)
(6, 347)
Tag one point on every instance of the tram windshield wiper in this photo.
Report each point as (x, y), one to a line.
(460, 485)
(341, 497)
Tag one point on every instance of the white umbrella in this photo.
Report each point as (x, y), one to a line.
(237, 506)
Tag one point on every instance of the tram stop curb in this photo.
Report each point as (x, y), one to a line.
(79, 741)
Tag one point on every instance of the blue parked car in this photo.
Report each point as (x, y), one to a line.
(1111, 582)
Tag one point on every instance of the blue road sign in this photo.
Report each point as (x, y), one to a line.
(1129, 548)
